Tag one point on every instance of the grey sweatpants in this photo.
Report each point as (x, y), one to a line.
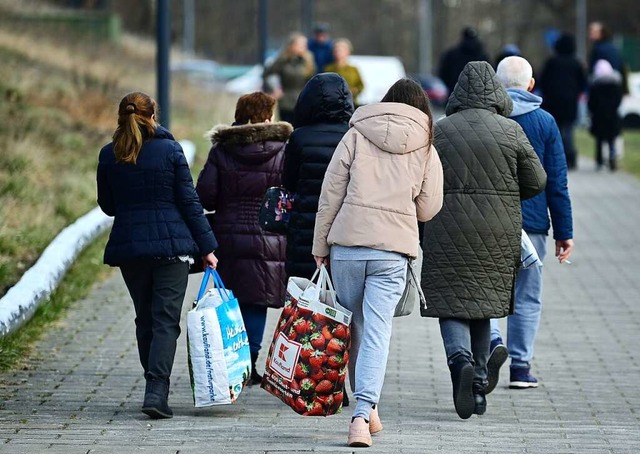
(369, 283)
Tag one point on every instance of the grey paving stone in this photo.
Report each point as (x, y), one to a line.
(82, 391)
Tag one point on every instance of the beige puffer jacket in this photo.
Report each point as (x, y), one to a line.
(381, 181)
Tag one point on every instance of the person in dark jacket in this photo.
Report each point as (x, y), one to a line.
(603, 48)
(472, 247)
(605, 96)
(563, 80)
(516, 75)
(144, 182)
(321, 46)
(322, 116)
(245, 160)
(453, 61)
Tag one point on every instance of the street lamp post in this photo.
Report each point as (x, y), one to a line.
(163, 38)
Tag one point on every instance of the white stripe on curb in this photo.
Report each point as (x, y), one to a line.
(37, 284)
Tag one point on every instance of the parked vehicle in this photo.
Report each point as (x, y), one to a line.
(630, 108)
(434, 87)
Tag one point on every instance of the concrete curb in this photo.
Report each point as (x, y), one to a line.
(38, 282)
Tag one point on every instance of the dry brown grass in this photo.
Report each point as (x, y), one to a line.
(58, 100)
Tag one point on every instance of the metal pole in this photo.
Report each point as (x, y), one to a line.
(263, 30)
(581, 29)
(425, 37)
(306, 16)
(188, 34)
(163, 32)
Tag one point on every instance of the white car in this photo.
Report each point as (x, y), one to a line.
(630, 107)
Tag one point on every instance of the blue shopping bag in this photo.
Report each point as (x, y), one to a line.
(218, 347)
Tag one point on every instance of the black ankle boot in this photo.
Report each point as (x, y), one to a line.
(462, 381)
(480, 400)
(255, 378)
(156, 397)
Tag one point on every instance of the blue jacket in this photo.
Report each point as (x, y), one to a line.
(322, 54)
(542, 131)
(156, 210)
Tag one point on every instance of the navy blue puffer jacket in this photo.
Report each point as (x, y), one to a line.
(156, 209)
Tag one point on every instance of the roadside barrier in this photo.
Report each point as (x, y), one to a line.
(37, 284)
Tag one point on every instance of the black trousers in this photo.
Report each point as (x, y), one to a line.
(157, 289)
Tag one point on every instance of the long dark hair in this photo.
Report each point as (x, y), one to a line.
(408, 91)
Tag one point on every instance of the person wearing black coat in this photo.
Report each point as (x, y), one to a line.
(454, 60)
(605, 96)
(159, 227)
(321, 118)
(244, 161)
(563, 80)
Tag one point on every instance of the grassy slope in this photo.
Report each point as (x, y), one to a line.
(59, 99)
(630, 161)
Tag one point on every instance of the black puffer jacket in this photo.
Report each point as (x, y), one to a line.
(563, 79)
(472, 247)
(243, 162)
(322, 116)
(155, 207)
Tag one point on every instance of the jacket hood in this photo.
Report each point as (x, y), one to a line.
(393, 127)
(523, 101)
(478, 87)
(253, 142)
(326, 98)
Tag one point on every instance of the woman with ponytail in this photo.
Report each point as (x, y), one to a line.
(159, 228)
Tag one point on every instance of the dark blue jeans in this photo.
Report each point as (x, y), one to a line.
(157, 289)
(255, 319)
(468, 339)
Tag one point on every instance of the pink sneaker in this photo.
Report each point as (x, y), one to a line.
(359, 435)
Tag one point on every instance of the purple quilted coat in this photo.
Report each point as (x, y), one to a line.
(244, 161)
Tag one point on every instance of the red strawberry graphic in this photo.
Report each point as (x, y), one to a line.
(292, 334)
(317, 359)
(345, 357)
(340, 332)
(326, 400)
(337, 399)
(306, 350)
(335, 361)
(302, 370)
(335, 345)
(287, 310)
(332, 375)
(314, 409)
(317, 374)
(320, 319)
(307, 386)
(324, 387)
(300, 404)
(317, 340)
(294, 385)
(326, 332)
(301, 326)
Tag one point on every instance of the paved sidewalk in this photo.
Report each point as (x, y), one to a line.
(83, 392)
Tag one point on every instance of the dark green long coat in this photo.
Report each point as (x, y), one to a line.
(472, 247)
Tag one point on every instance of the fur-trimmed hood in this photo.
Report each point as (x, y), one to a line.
(254, 142)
